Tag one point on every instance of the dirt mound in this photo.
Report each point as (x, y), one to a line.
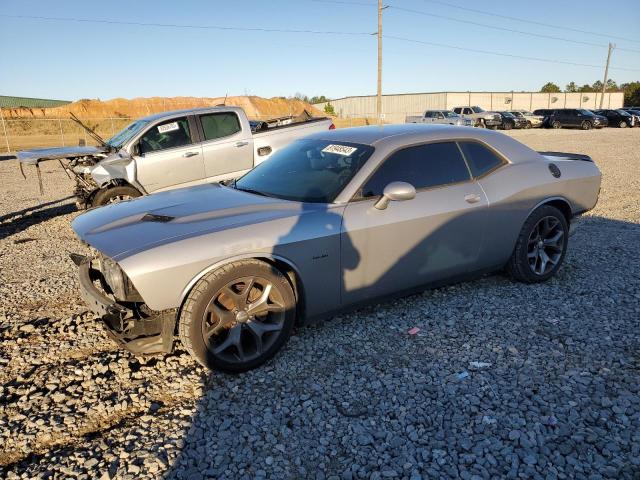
(255, 107)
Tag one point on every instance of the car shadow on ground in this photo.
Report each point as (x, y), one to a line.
(18, 221)
(359, 397)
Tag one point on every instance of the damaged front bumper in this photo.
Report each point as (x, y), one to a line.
(131, 324)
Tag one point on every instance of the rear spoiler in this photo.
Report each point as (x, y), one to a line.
(567, 156)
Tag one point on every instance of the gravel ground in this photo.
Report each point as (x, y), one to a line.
(556, 394)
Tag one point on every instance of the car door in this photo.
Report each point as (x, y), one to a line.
(436, 235)
(169, 155)
(226, 146)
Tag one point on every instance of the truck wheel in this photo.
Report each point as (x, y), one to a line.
(541, 246)
(481, 124)
(528, 125)
(238, 317)
(105, 196)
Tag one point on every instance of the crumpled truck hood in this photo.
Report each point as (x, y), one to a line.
(36, 155)
(129, 227)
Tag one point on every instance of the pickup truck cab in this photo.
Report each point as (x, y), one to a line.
(446, 117)
(480, 117)
(172, 150)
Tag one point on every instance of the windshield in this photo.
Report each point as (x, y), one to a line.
(478, 109)
(587, 113)
(307, 171)
(126, 134)
(507, 114)
(517, 114)
(450, 114)
(623, 113)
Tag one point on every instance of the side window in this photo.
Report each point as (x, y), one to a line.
(481, 160)
(422, 166)
(170, 134)
(219, 125)
(440, 115)
(428, 115)
(457, 110)
(468, 111)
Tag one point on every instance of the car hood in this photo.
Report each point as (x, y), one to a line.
(36, 155)
(125, 228)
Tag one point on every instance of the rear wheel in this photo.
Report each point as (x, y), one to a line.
(117, 194)
(585, 125)
(541, 246)
(238, 317)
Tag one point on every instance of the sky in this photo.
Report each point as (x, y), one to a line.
(72, 60)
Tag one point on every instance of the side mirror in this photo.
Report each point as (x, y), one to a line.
(135, 150)
(396, 192)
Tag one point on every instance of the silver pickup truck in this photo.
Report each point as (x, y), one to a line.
(171, 150)
(445, 117)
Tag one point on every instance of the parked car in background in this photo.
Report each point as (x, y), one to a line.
(334, 220)
(574, 118)
(509, 121)
(636, 115)
(172, 150)
(446, 117)
(533, 121)
(617, 118)
(480, 117)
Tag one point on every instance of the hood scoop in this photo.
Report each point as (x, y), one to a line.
(154, 217)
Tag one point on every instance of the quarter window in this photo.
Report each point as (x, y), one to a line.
(219, 125)
(480, 159)
(422, 166)
(170, 134)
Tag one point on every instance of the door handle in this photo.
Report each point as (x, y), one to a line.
(472, 198)
(189, 154)
(241, 144)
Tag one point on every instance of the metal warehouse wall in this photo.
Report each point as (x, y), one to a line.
(396, 107)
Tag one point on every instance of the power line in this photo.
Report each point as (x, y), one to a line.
(504, 29)
(501, 54)
(176, 25)
(533, 22)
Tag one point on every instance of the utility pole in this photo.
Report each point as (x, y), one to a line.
(606, 73)
(379, 93)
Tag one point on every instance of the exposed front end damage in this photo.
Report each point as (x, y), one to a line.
(110, 295)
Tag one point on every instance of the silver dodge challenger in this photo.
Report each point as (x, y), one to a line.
(333, 221)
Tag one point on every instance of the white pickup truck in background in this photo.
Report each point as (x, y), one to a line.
(446, 117)
(173, 150)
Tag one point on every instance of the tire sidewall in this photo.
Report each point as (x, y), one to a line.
(102, 196)
(522, 269)
(198, 347)
(555, 124)
(586, 125)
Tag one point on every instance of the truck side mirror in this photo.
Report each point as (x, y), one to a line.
(135, 150)
(396, 192)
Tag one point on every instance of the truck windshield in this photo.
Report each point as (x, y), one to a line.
(310, 170)
(126, 134)
(478, 109)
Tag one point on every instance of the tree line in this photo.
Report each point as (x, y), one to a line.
(631, 89)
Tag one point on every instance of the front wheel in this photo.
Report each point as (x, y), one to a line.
(238, 317)
(622, 124)
(556, 124)
(541, 246)
(586, 125)
(528, 125)
(481, 124)
(117, 194)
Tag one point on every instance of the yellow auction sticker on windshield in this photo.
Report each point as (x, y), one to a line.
(339, 149)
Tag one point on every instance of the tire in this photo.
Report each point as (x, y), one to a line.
(241, 341)
(556, 124)
(105, 196)
(508, 126)
(481, 124)
(622, 124)
(528, 125)
(585, 125)
(527, 264)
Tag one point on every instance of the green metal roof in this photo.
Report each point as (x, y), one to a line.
(15, 102)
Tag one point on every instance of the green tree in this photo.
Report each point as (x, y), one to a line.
(585, 88)
(329, 110)
(631, 93)
(597, 86)
(318, 99)
(571, 87)
(550, 87)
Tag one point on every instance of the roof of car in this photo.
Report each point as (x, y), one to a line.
(397, 136)
(189, 111)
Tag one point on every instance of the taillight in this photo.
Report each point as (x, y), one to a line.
(332, 127)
